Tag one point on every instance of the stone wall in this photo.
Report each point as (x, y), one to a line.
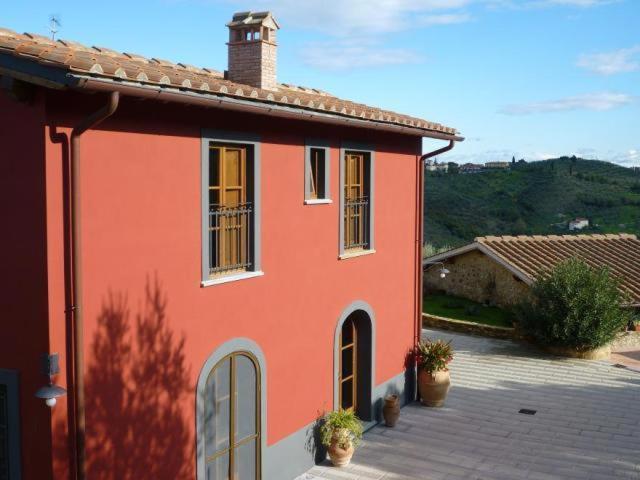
(462, 326)
(477, 277)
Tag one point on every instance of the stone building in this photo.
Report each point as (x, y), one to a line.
(500, 270)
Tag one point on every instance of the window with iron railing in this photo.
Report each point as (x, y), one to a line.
(357, 214)
(230, 210)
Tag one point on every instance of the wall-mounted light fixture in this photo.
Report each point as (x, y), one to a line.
(443, 271)
(50, 393)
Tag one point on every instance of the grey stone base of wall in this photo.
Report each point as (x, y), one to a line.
(461, 326)
(602, 353)
(297, 453)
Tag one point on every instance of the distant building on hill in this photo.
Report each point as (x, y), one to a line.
(471, 168)
(434, 166)
(497, 165)
(578, 224)
(501, 270)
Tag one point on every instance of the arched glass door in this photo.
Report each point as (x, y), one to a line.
(348, 373)
(232, 419)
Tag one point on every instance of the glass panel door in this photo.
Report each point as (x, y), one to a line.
(348, 366)
(232, 420)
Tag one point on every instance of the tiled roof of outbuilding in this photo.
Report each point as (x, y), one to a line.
(533, 255)
(105, 63)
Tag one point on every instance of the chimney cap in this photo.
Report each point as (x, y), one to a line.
(241, 19)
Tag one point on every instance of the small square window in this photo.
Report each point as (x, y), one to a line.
(316, 174)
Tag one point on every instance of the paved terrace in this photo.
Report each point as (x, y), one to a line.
(587, 424)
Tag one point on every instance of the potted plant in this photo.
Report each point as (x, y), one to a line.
(432, 358)
(341, 432)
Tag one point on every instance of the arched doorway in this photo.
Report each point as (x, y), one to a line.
(230, 413)
(354, 362)
(232, 419)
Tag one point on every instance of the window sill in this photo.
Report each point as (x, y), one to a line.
(230, 278)
(359, 253)
(318, 201)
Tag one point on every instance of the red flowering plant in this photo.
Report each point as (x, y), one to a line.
(433, 356)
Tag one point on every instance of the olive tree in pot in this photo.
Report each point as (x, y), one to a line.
(341, 433)
(432, 358)
(575, 310)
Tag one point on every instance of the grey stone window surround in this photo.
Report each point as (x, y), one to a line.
(241, 138)
(370, 150)
(10, 379)
(235, 345)
(323, 145)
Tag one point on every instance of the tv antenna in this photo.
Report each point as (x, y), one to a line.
(54, 25)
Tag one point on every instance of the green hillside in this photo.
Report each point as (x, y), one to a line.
(531, 198)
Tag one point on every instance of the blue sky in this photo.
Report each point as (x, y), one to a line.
(530, 78)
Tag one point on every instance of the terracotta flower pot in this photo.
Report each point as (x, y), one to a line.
(433, 387)
(391, 410)
(340, 457)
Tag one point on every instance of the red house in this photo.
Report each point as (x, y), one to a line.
(213, 260)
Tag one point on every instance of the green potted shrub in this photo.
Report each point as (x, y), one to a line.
(432, 359)
(575, 310)
(341, 433)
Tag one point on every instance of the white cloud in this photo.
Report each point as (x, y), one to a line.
(609, 63)
(630, 158)
(354, 53)
(357, 29)
(576, 3)
(353, 21)
(364, 17)
(592, 101)
(558, 3)
(445, 19)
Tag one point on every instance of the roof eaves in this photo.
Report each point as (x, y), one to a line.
(483, 249)
(259, 105)
(35, 72)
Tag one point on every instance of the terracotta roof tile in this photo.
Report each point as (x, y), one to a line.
(103, 62)
(533, 255)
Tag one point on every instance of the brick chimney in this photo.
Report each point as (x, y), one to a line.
(252, 49)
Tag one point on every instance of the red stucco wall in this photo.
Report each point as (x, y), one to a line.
(23, 283)
(149, 326)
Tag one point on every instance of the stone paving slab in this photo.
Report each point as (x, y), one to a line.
(586, 426)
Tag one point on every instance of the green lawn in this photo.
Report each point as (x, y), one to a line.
(463, 309)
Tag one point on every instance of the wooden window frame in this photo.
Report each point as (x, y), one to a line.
(354, 365)
(253, 144)
(368, 152)
(310, 197)
(233, 249)
(257, 437)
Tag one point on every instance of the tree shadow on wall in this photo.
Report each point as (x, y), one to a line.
(137, 388)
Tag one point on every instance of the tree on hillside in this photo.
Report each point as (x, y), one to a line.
(574, 161)
(513, 160)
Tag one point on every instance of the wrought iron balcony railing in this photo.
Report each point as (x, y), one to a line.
(356, 223)
(230, 241)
